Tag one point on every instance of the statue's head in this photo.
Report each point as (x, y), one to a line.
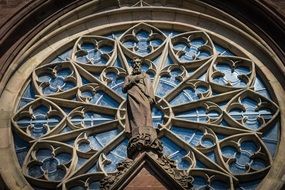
(137, 66)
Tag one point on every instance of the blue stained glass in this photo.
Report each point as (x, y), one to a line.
(199, 182)
(118, 63)
(206, 142)
(188, 94)
(260, 87)
(87, 46)
(84, 147)
(57, 175)
(271, 138)
(101, 98)
(258, 164)
(180, 46)
(91, 118)
(129, 44)
(198, 115)
(170, 33)
(56, 81)
(172, 150)
(169, 61)
(191, 136)
(28, 96)
(65, 56)
(101, 139)
(94, 186)
(64, 158)
(231, 75)
(117, 155)
(64, 72)
(43, 153)
(119, 89)
(249, 146)
(142, 34)
(220, 185)
(106, 49)
(144, 67)
(41, 110)
(114, 35)
(143, 42)
(50, 165)
(93, 54)
(156, 42)
(166, 83)
(21, 148)
(192, 50)
(164, 87)
(229, 151)
(181, 98)
(157, 117)
(80, 161)
(236, 169)
(251, 114)
(183, 165)
(35, 171)
(199, 164)
(243, 158)
(87, 93)
(204, 55)
(212, 156)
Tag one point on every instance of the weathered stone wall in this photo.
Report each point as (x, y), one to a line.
(9, 8)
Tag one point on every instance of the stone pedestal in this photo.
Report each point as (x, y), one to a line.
(144, 139)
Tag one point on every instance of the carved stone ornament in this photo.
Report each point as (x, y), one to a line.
(146, 141)
(181, 176)
(107, 182)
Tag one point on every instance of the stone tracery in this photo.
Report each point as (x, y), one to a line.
(210, 118)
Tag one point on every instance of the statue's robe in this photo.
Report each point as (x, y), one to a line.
(140, 96)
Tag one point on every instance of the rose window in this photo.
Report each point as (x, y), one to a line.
(214, 115)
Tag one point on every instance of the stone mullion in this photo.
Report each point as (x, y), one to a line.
(182, 123)
(228, 141)
(74, 133)
(122, 56)
(31, 159)
(229, 131)
(195, 75)
(212, 69)
(74, 104)
(194, 151)
(93, 159)
(39, 100)
(161, 64)
(105, 88)
(219, 98)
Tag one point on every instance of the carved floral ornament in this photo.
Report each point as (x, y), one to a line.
(214, 115)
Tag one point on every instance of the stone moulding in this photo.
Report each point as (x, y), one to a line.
(163, 167)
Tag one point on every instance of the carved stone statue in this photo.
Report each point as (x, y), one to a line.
(140, 99)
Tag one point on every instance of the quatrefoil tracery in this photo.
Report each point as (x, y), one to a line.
(206, 103)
